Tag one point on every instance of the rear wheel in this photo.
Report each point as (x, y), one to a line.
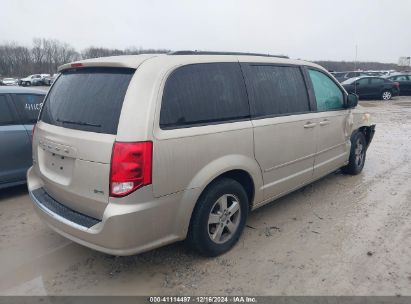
(218, 218)
(386, 95)
(28, 83)
(357, 154)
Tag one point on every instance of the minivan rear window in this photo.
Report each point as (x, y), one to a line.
(88, 99)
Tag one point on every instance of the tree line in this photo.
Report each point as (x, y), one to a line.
(342, 66)
(45, 55)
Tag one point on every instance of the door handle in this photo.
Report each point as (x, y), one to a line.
(324, 122)
(310, 125)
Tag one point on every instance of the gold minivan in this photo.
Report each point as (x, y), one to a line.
(134, 152)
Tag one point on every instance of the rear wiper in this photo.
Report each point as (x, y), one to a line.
(81, 123)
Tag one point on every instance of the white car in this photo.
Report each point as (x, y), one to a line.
(9, 81)
(35, 79)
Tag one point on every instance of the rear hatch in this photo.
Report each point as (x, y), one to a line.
(75, 135)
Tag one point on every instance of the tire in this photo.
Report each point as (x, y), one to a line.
(28, 83)
(357, 154)
(386, 95)
(209, 232)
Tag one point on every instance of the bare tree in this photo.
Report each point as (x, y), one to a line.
(43, 57)
(95, 52)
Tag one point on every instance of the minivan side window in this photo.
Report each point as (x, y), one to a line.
(204, 93)
(6, 116)
(327, 94)
(277, 90)
(29, 105)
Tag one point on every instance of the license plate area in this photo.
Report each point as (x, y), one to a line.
(55, 163)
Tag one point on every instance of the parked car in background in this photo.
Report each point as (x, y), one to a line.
(9, 81)
(372, 87)
(342, 76)
(374, 73)
(405, 82)
(339, 75)
(19, 109)
(31, 80)
(47, 80)
(135, 152)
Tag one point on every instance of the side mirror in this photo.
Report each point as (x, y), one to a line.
(352, 100)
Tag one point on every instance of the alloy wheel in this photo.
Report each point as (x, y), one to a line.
(386, 95)
(224, 218)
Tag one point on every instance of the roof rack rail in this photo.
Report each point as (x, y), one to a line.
(223, 53)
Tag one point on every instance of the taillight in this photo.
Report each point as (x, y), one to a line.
(76, 65)
(130, 167)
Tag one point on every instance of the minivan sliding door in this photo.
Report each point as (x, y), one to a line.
(284, 142)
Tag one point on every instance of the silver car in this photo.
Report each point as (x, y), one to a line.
(134, 152)
(9, 82)
(19, 108)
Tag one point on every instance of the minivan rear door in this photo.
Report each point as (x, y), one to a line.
(75, 135)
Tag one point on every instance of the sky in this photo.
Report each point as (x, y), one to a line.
(311, 29)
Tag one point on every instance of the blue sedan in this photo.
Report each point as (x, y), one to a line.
(19, 110)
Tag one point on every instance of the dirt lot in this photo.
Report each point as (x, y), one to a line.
(343, 235)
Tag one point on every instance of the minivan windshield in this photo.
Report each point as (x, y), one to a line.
(88, 99)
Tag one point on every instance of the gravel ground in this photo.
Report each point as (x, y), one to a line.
(342, 235)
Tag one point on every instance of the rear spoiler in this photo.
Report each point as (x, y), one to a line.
(132, 61)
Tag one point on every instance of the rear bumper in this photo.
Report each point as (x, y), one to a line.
(125, 228)
(63, 214)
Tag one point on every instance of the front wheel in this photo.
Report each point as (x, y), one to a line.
(28, 83)
(218, 218)
(386, 95)
(357, 154)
